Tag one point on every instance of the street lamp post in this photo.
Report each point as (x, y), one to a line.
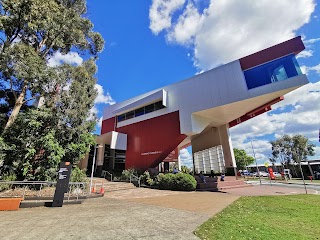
(254, 155)
(93, 164)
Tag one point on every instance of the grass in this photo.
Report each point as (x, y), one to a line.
(269, 217)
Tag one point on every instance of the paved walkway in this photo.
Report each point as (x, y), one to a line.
(128, 214)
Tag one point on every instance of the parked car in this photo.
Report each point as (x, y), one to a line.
(246, 173)
(277, 174)
(262, 174)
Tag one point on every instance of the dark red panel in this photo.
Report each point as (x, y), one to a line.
(247, 117)
(173, 156)
(294, 46)
(108, 125)
(151, 141)
(274, 101)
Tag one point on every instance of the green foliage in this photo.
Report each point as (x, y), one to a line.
(288, 217)
(294, 148)
(34, 152)
(36, 140)
(31, 32)
(7, 177)
(3, 148)
(78, 175)
(145, 177)
(178, 182)
(242, 159)
(186, 169)
(127, 173)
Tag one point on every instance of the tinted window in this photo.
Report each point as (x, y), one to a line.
(158, 105)
(121, 117)
(139, 112)
(130, 115)
(274, 71)
(149, 108)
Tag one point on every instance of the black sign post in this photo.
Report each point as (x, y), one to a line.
(62, 184)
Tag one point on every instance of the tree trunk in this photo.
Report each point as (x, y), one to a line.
(16, 108)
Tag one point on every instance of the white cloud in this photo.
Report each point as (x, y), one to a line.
(311, 41)
(160, 13)
(305, 54)
(229, 29)
(315, 68)
(102, 97)
(304, 118)
(187, 25)
(70, 58)
(304, 69)
(307, 70)
(99, 122)
(186, 158)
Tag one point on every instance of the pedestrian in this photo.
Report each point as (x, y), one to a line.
(175, 170)
(202, 177)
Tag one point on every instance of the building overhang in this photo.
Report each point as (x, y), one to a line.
(116, 140)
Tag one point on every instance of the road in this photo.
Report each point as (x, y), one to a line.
(315, 189)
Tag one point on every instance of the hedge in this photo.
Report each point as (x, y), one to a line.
(178, 182)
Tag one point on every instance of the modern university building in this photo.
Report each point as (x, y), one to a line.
(148, 131)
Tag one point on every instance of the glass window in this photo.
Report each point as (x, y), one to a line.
(121, 118)
(273, 71)
(149, 108)
(129, 115)
(158, 105)
(296, 64)
(279, 74)
(139, 112)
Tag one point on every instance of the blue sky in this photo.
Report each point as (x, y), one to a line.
(153, 43)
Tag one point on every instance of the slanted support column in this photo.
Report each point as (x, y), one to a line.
(213, 137)
(228, 153)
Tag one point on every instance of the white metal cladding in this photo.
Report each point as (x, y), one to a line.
(154, 97)
(217, 88)
(118, 141)
(209, 159)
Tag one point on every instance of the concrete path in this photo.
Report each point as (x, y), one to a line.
(129, 214)
(102, 218)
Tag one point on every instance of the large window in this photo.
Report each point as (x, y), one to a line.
(141, 111)
(274, 71)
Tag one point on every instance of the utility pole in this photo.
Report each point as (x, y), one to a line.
(254, 156)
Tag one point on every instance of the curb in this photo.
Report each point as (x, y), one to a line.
(44, 204)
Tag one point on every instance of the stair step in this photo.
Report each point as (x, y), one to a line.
(235, 186)
(207, 189)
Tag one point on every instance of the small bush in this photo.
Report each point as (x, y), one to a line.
(78, 175)
(125, 176)
(177, 182)
(8, 177)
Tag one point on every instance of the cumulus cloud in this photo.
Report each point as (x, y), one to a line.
(70, 58)
(229, 29)
(307, 69)
(160, 13)
(304, 118)
(311, 41)
(186, 158)
(103, 97)
(305, 54)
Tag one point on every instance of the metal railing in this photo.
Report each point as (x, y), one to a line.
(75, 188)
(135, 178)
(104, 173)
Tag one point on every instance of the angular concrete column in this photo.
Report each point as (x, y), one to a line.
(228, 153)
(213, 137)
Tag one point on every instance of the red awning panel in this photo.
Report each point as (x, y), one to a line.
(256, 112)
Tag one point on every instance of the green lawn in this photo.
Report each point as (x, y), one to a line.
(269, 217)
